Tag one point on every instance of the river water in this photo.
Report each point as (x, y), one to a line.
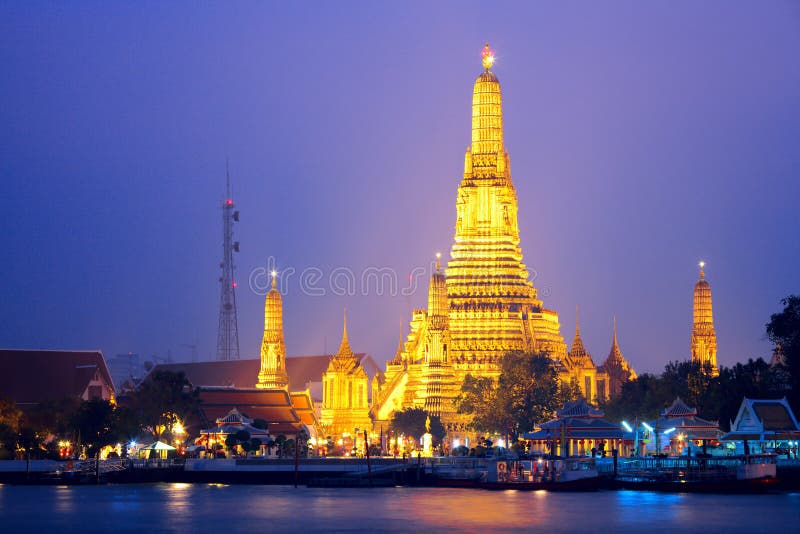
(180, 507)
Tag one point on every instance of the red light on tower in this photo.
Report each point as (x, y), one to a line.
(233, 284)
(229, 202)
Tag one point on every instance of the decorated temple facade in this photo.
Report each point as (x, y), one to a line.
(345, 403)
(484, 304)
(582, 370)
(704, 337)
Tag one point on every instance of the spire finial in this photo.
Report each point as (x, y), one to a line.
(274, 275)
(487, 57)
(438, 261)
(702, 265)
(577, 329)
(400, 338)
(344, 330)
(615, 330)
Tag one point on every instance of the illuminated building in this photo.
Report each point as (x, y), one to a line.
(582, 369)
(272, 374)
(704, 337)
(616, 368)
(492, 307)
(345, 406)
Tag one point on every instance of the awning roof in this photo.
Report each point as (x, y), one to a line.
(158, 446)
(766, 436)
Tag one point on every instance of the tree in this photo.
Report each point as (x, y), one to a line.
(163, 399)
(10, 414)
(280, 443)
(96, 424)
(411, 422)
(784, 329)
(231, 441)
(254, 445)
(529, 391)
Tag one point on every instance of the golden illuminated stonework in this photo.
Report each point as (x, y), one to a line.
(491, 305)
(345, 406)
(704, 337)
(273, 350)
(581, 368)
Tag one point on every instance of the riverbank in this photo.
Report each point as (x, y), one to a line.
(358, 473)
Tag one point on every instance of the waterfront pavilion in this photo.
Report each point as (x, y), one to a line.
(232, 423)
(764, 425)
(681, 428)
(576, 430)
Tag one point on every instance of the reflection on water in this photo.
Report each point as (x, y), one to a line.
(206, 507)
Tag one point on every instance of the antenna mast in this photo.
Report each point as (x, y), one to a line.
(228, 333)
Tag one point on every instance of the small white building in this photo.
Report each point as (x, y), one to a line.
(763, 426)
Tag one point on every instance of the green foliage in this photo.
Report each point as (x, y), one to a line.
(231, 441)
(411, 422)
(784, 329)
(10, 415)
(254, 445)
(528, 391)
(280, 443)
(163, 399)
(243, 435)
(716, 398)
(8, 438)
(96, 422)
(288, 447)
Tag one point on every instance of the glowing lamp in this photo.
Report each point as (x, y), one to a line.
(627, 426)
(648, 427)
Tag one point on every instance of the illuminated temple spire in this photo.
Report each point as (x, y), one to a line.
(272, 374)
(578, 354)
(437, 376)
(493, 305)
(344, 357)
(616, 367)
(344, 390)
(704, 337)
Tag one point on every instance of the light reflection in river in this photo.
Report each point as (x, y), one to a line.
(206, 507)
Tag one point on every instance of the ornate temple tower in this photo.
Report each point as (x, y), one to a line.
(616, 368)
(273, 351)
(704, 337)
(484, 304)
(344, 392)
(494, 307)
(583, 370)
(438, 375)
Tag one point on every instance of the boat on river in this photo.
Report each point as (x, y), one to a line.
(556, 474)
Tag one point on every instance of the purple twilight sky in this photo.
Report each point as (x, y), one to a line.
(643, 137)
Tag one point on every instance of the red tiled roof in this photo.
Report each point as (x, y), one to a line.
(774, 415)
(244, 373)
(35, 376)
